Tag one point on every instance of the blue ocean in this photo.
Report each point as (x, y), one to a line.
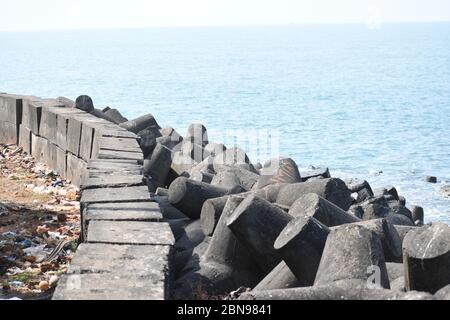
(372, 104)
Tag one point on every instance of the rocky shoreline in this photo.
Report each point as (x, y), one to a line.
(245, 230)
(278, 233)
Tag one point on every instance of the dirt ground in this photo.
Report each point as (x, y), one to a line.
(39, 226)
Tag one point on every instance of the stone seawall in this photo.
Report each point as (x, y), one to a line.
(166, 216)
(125, 249)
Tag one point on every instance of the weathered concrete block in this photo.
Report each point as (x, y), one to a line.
(225, 266)
(39, 148)
(24, 138)
(418, 215)
(95, 181)
(62, 123)
(84, 103)
(395, 271)
(340, 290)
(170, 131)
(333, 190)
(140, 123)
(68, 103)
(193, 150)
(11, 109)
(110, 195)
(87, 139)
(399, 219)
(74, 126)
(214, 149)
(102, 115)
(123, 211)
(32, 110)
(8, 133)
(426, 256)
(443, 294)
(114, 166)
(403, 231)
(127, 211)
(182, 163)
(390, 239)
(234, 157)
(211, 212)
(116, 116)
(147, 140)
(224, 247)
(168, 142)
(89, 128)
(163, 192)
(158, 166)
(49, 121)
(114, 144)
(56, 159)
(280, 170)
(301, 245)
(232, 176)
(257, 223)
(143, 261)
(117, 132)
(191, 237)
(323, 173)
(313, 205)
(197, 134)
(169, 211)
(123, 155)
(61, 161)
(75, 169)
(130, 232)
(279, 278)
(188, 196)
(205, 166)
(109, 287)
(188, 261)
(361, 187)
(375, 208)
(352, 252)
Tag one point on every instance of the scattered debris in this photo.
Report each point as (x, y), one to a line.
(39, 225)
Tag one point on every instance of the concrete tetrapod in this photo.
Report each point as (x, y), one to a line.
(225, 266)
(390, 239)
(333, 190)
(280, 278)
(353, 252)
(301, 246)
(188, 196)
(313, 205)
(140, 123)
(426, 257)
(352, 289)
(257, 223)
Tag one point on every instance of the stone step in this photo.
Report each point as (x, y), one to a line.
(122, 144)
(128, 211)
(119, 154)
(110, 287)
(104, 180)
(109, 195)
(130, 232)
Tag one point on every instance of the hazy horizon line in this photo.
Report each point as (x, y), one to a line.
(220, 26)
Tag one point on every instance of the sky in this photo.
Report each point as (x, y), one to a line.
(82, 14)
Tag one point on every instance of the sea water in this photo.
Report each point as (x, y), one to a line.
(367, 103)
